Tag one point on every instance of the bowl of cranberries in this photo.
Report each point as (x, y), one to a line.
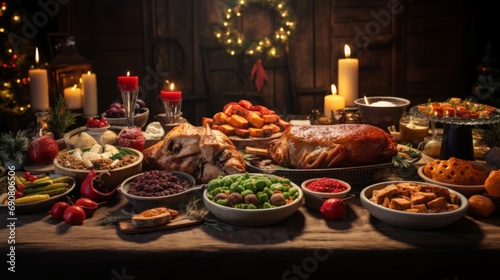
(318, 190)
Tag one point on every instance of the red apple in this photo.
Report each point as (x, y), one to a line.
(334, 209)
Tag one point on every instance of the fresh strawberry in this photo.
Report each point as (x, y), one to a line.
(43, 150)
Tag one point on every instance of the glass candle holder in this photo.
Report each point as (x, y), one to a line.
(129, 89)
(172, 103)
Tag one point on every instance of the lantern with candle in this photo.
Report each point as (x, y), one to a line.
(333, 102)
(39, 87)
(172, 103)
(348, 77)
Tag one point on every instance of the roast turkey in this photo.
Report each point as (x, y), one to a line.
(328, 146)
(201, 152)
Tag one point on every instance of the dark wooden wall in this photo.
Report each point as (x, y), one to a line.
(412, 49)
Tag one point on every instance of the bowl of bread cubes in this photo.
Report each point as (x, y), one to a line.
(464, 176)
(414, 205)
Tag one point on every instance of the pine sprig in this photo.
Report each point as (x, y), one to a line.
(14, 147)
(60, 119)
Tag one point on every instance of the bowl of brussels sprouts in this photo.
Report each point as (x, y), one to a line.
(252, 199)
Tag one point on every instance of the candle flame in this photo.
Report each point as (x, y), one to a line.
(347, 50)
(172, 86)
(128, 73)
(74, 87)
(366, 101)
(334, 89)
(36, 55)
(88, 73)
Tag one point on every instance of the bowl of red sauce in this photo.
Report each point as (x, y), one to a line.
(317, 190)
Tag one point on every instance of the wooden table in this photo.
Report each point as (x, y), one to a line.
(305, 246)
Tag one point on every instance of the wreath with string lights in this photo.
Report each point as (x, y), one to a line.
(234, 41)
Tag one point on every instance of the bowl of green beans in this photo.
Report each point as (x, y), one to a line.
(252, 199)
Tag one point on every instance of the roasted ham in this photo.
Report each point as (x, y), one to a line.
(201, 152)
(328, 146)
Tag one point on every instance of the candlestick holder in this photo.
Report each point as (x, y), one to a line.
(129, 98)
(172, 110)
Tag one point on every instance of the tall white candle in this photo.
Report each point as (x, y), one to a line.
(39, 87)
(333, 102)
(348, 77)
(89, 90)
(73, 97)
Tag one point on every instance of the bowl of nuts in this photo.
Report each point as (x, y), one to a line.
(158, 188)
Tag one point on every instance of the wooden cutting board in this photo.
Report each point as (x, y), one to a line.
(179, 221)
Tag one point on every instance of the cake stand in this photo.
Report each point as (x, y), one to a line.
(457, 133)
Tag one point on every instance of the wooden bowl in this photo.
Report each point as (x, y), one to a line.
(112, 181)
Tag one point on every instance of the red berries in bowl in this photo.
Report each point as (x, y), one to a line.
(96, 123)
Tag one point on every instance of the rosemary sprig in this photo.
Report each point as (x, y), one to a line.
(405, 157)
(112, 218)
(217, 225)
(192, 210)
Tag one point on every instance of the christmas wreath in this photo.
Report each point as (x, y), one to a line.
(234, 41)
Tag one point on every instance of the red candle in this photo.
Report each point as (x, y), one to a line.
(171, 95)
(128, 83)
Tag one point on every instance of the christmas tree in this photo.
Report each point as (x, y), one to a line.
(16, 57)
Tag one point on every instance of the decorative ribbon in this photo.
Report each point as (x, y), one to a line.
(259, 74)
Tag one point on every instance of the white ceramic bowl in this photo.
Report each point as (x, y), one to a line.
(315, 200)
(254, 217)
(142, 203)
(140, 119)
(466, 190)
(98, 129)
(112, 181)
(408, 220)
(39, 206)
(382, 117)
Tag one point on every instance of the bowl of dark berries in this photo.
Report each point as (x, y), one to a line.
(115, 114)
(158, 188)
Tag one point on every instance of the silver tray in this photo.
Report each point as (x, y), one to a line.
(356, 176)
(494, 118)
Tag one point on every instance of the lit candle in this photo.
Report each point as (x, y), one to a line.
(348, 77)
(128, 83)
(39, 87)
(73, 97)
(172, 103)
(333, 102)
(172, 94)
(89, 91)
